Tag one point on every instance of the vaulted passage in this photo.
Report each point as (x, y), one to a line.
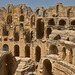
(47, 67)
(62, 22)
(48, 32)
(51, 22)
(16, 36)
(27, 51)
(9, 19)
(40, 29)
(73, 22)
(38, 54)
(32, 21)
(5, 47)
(16, 50)
(53, 49)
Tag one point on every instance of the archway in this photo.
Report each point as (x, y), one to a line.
(21, 18)
(62, 22)
(53, 49)
(16, 36)
(51, 22)
(64, 53)
(9, 19)
(32, 21)
(27, 51)
(38, 12)
(5, 47)
(40, 29)
(22, 8)
(38, 53)
(47, 67)
(5, 31)
(16, 50)
(71, 56)
(48, 32)
(73, 22)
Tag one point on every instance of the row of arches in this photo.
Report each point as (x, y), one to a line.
(52, 50)
(27, 51)
(10, 19)
(61, 22)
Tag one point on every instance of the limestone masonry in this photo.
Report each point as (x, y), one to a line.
(37, 43)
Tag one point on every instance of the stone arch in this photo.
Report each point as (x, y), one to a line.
(38, 12)
(9, 19)
(57, 8)
(47, 67)
(9, 8)
(21, 18)
(38, 54)
(64, 53)
(48, 31)
(16, 36)
(5, 31)
(29, 10)
(70, 12)
(5, 47)
(27, 51)
(53, 49)
(73, 22)
(62, 22)
(45, 13)
(40, 29)
(57, 37)
(32, 21)
(22, 9)
(16, 50)
(51, 22)
(71, 56)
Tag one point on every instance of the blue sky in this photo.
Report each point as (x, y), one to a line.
(37, 3)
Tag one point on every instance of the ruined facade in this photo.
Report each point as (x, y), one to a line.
(37, 34)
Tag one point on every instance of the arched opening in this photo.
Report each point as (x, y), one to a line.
(38, 12)
(22, 8)
(32, 21)
(9, 9)
(57, 8)
(31, 35)
(48, 32)
(64, 53)
(16, 50)
(28, 37)
(47, 67)
(53, 49)
(40, 29)
(57, 37)
(21, 18)
(71, 56)
(27, 51)
(62, 22)
(51, 22)
(70, 13)
(9, 19)
(21, 25)
(16, 36)
(38, 54)
(73, 22)
(5, 31)
(45, 13)
(5, 47)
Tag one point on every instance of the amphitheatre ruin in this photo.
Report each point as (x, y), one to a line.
(37, 43)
